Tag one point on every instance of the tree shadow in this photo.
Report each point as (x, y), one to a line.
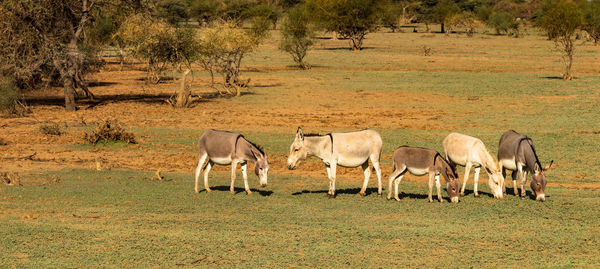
(555, 77)
(100, 100)
(368, 191)
(239, 190)
(101, 83)
(345, 48)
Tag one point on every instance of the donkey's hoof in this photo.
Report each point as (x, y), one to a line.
(360, 194)
(208, 190)
(248, 192)
(379, 195)
(431, 200)
(523, 197)
(477, 195)
(462, 194)
(397, 199)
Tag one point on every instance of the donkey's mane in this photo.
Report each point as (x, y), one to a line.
(314, 134)
(260, 149)
(530, 143)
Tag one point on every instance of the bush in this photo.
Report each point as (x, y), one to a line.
(51, 129)
(109, 131)
(10, 103)
(351, 19)
(591, 16)
(297, 34)
(161, 45)
(504, 23)
(222, 48)
(560, 19)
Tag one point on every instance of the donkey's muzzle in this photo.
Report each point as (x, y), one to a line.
(541, 197)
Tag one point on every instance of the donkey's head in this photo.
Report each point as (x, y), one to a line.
(538, 182)
(261, 169)
(496, 183)
(298, 151)
(452, 183)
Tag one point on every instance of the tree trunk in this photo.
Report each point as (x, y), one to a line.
(184, 94)
(69, 94)
(442, 28)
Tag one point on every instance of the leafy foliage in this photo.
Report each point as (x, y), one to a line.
(560, 19)
(591, 16)
(352, 19)
(297, 32)
(222, 46)
(160, 44)
(504, 23)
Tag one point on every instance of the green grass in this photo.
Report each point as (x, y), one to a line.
(122, 219)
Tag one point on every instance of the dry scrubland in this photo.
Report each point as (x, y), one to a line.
(67, 213)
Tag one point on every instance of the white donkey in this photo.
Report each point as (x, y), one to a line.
(470, 152)
(223, 148)
(351, 149)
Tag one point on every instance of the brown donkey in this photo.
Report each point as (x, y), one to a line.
(421, 161)
(517, 153)
(223, 148)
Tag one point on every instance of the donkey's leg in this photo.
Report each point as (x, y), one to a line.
(396, 183)
(245, 176)
(438, 185)
(467, 171)
(378, 172)
(393, 176)
(367, 172)
(514, 178)
(206, 171)
(333, 166)
(523, 181)
(503, 176)
(233, 167)
(476, 180)
(431, 179)
(328, 177)
(199, 169)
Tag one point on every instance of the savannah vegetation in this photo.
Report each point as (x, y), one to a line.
(111, 184)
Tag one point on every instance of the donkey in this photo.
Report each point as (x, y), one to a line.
(470, 152)
(517, 153)
(223, 148)
(421, 161)
(351, 149)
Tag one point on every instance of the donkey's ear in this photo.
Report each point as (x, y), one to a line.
(548, 166)
(299, 134)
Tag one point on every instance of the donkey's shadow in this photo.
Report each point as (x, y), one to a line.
(369, 191)
(239, 190)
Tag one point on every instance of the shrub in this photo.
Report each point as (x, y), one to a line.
(108, 131)
(351, 19)
(591, 16)
(504, 23)
(297, 34)
(222, 47)
(51, 129)
(161, 45)
(560, 19)
(10, 102)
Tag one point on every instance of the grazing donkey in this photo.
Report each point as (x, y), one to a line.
(223, 148)
(470, 152)
(420, 161)
(517, 153)
(344, 149)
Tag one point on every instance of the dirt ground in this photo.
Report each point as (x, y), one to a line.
(123, 95)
